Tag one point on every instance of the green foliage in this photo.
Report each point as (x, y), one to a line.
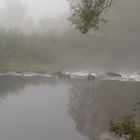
(127, 127)
(87, 14)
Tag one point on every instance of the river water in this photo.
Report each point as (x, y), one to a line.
(43, 108)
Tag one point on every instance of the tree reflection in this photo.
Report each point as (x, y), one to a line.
(14, 84)
(94, 104)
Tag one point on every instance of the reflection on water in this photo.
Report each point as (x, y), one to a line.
(49, 108)
(14, 84)
(93, 105)
(35, 108)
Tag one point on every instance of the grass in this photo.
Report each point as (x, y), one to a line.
(128, 127)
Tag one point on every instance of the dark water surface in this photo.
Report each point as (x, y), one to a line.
(41, 108)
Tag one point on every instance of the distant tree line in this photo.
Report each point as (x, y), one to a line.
(19, 49)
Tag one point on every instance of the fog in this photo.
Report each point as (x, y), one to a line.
(40, 8)
(52, 8)
(69, 71)
(37, 34)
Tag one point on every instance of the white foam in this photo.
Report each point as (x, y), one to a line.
(79, 73)
(82, 74)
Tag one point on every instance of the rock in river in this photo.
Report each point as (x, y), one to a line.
(60, 74)
(113, 74)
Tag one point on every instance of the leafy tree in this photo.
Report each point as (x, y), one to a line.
(87, 14)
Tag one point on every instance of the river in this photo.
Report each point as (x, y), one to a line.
(47, 108)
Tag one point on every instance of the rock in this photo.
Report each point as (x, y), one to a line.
(60, 74)
(40, 71)
(20, 72)
(91, 77)
(4, 71)
(113, 74)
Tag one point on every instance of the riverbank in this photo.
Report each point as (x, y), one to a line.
(67, 75)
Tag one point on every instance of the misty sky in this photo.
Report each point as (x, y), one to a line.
(40, 8)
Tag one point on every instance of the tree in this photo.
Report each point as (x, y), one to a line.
(87, 14)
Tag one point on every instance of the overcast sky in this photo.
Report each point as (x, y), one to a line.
(40, 8)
